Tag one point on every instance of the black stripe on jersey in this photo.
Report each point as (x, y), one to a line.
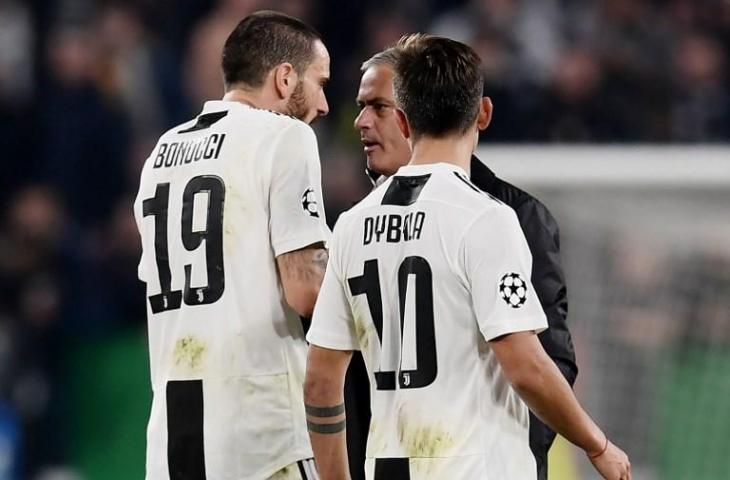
(392, 469)
(185, 451)
(476, 189)
(307, 469)
(385, 380)
(467, 182)
(302, 472)
(404, 191)
(205, 121)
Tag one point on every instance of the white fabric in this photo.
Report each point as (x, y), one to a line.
(248, 347)
(468, 423)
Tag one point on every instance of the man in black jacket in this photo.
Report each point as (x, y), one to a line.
(386, 151)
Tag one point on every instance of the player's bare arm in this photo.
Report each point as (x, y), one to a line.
(541, 385)
(325, 406)
(301, 273)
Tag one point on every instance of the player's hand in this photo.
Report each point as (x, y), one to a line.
(613, 464)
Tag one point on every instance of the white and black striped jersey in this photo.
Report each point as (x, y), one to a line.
(422, 274)
(220, 197)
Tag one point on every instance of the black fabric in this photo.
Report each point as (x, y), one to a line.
(542, 234)
(185, 450)
(357, 409)
(205, 121)
(392, 469)
(404, 191)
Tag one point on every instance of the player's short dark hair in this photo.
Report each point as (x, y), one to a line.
(263, 40)
(438, 84)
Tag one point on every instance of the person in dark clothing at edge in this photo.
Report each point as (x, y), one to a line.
(387, 150)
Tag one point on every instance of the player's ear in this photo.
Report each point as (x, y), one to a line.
(485, 113)
(285, 79)
(402, 121)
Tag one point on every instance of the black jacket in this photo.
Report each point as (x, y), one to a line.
(541, 232)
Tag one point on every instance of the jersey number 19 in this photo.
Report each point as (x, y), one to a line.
(157, 206)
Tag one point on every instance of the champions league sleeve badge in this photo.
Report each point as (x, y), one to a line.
(513, 289)
(309, 203)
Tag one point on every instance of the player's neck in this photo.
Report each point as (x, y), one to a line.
(252, 98)
(454, 150)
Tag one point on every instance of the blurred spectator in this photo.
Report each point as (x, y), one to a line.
(203, 78)
(576, 106)
(112, 295)
(17, 87)
(34, 269)
(127, 60)
(9, 444)
(700, 101)
(631, 40)
(85, 135)
(511, 99)
(529, 29)
(16, 64)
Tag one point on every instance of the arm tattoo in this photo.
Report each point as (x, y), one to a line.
(328, 413)
(308, 264)
(326, 428)
(320, 259)
(325, 411)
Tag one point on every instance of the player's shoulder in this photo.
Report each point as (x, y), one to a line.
(272, 118)
(478, 207)
(455, 188)
(177, 129)
(236, 116)
(276, 118)
(282, 129)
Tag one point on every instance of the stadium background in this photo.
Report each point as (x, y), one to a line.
(87, 86)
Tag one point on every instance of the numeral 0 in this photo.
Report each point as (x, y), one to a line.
(157, 206)
(369, 284)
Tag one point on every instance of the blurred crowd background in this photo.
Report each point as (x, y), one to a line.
(86, 87)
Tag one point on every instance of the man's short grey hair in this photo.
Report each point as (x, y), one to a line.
(388, 57)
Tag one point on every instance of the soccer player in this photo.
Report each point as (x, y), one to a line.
(430, 278)
(387, 150)
(233, 230)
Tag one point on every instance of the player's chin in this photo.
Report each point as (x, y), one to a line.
(378, 162)
(374, 160)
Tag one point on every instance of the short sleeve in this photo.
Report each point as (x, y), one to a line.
(497, 265)
(333, 325)
(295, 193)
(138, 219)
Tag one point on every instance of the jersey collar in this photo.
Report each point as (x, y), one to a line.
(218, 105)
(411, 170)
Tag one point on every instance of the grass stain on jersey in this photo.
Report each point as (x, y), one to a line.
(361, 330)
(189, 353)
(363, 325)
(421, 439)
(290, 472)
(377, 440)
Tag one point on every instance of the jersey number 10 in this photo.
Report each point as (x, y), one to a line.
(157, 206)
(369, 285)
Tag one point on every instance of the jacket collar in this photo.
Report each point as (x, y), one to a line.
(481, 175)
